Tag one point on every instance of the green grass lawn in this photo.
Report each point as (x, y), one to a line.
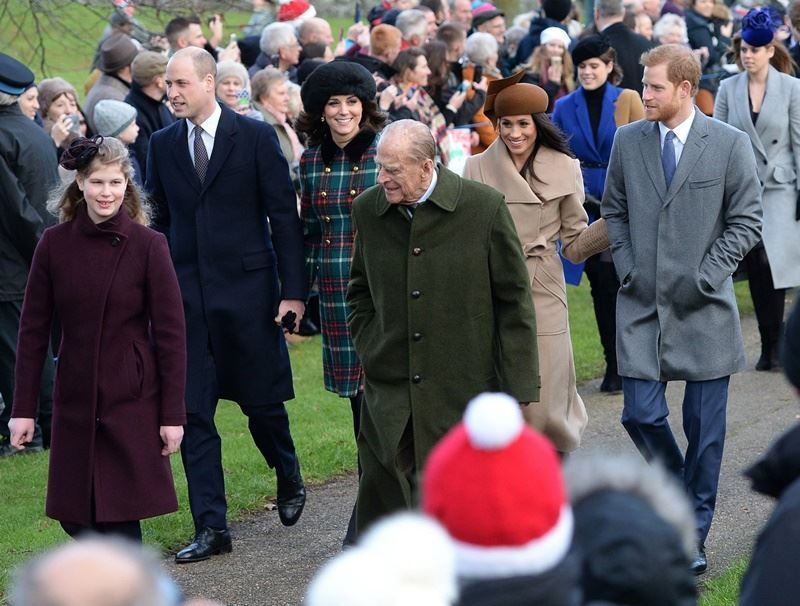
(322, 429)
(724, 589)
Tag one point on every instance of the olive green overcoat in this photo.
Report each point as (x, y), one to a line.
(440, 311)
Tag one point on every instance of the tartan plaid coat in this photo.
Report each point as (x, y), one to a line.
(330, 178)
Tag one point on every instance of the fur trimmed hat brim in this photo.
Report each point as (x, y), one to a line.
(338, 77)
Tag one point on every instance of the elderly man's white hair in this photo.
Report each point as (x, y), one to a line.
(276, 36)
(311, 29)
(609, 8)
(420, 143)
(6, 99)
(94, 572)
(668, 22)
(481, 47)
(407, 559)
(412, 22)
(631, 474)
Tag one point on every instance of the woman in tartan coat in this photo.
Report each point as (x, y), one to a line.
(341, 120)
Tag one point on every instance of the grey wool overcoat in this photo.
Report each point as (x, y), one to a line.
(775, 138)
(675, 250)
(440, 311)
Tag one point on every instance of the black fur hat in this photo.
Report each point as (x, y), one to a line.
(556, 9)
(336, 78)
(589, 48)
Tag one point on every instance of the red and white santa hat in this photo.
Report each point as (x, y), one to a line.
(495, 484)
(295, 11)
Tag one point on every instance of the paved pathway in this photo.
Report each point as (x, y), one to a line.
(271, 565)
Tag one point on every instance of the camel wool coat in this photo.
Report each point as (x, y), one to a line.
(543, 213)
(121, 366)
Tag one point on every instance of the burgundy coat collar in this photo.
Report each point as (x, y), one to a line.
(118, 225)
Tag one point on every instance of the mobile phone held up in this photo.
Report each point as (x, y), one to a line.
(74, 123)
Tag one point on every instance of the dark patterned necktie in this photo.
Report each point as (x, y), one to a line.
(668, 157)
(200, 154)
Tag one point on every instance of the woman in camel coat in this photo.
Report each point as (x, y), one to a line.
(531, 164)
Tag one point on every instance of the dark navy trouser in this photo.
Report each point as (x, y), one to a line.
(644, 416)
(201, 450)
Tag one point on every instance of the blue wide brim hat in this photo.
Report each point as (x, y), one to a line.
(15, 77)
(758, 27)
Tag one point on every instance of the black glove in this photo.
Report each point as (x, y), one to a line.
(288, 321)
(797, 208)
(592, 206)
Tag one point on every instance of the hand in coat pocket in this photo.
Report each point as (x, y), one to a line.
(692, 290)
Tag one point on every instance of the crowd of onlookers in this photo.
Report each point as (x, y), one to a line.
(432, 61)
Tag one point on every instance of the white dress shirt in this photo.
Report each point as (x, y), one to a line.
(412, 207)
(681, 134)
(209, 132)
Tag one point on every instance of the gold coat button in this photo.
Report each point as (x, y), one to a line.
(327, 242)
(416, 252)
(355, 169)
(352, 192)
(324, 194)
(326, 218)
(327, 169)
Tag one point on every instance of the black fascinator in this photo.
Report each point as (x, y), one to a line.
(80, 153)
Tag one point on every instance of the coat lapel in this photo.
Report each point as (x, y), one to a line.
(771, 105)
(741, 103)
(583, 121)
(650, 146)
(692, 150)
(223, 143)
(608, 123)
(498, 171)
(181, 146)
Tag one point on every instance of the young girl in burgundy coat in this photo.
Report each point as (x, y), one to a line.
(118, 401)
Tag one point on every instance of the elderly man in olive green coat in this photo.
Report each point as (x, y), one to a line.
(440, 311)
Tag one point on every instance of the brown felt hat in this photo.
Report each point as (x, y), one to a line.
(116, 52)
(507, 97)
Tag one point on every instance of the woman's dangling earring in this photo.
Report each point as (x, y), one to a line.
(322, 118)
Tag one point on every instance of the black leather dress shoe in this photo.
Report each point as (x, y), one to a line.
(612, 382)
(207, 542)
(699, 564)
(291, 500)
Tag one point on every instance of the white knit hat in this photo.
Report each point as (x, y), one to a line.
(111, 117)
(554, 33)
(495, 484)
(404, 559)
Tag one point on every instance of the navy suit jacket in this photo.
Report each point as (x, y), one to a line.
(237, 246)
